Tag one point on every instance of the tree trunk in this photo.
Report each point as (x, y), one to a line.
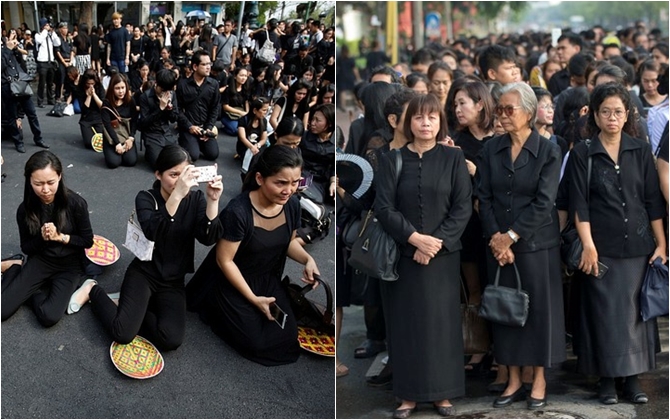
(86, 13)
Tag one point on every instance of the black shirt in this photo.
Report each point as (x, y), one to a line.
(77, 225)
(116, 40)
(199, 104)
(559, 82)
(622, 199)
(175, 235)
(90, 113)
(155, 121)
(318, 157)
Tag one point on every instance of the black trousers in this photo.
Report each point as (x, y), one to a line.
(48, 282)
(194, 146)
(46, 72)
(147, 306)
(10, 105)
(154, 143)
(114, 160)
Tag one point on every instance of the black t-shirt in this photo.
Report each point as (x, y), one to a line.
(116, 40)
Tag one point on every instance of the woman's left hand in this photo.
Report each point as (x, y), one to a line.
(472, 168)
(659, 252)
(309, 271)
(129, 143)
(421, 257)
(215, 188)
(332, 188)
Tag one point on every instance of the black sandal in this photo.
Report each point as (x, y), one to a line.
(369, 348)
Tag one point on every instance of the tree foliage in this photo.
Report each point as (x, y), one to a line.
(232, 9)
(610, 12)
(491, 9)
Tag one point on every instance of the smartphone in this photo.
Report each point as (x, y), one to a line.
(278, 314)
(206, 173)
(602, 270)
(305, 182)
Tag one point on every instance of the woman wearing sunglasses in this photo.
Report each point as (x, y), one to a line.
(620, 223)
(517, 182)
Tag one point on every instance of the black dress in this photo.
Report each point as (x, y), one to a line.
(260, 258)
(423, 320)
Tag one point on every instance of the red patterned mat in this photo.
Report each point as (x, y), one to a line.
(316, 342)
(103, 252)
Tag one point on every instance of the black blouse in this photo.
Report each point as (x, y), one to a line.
(174, 236)
(318, 156)
(77, 225)
(433, 196)
(91, 113)
(125, 111)
(622, 199)
(520, 195)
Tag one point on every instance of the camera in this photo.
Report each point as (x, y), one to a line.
(210, 134)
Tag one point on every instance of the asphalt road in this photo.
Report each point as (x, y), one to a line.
(66, 372)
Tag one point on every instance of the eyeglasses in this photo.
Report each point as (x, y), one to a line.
(507, 109)
(547, 107)
(618, 114)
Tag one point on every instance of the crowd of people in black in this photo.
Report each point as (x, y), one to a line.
(495, 135)
(167, 88)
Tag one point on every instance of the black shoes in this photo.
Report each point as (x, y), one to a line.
(445, 411)
(534, 403)
(42, 144)
(405, 412)
(507, 400)
(384, 379)
(20, 148)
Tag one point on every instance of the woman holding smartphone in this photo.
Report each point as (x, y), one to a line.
(237, 288)
(152, 299)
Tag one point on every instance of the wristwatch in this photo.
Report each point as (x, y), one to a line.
(513, 235)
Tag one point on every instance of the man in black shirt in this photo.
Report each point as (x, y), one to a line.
(198, 98)
(158, 109)
(568, 45)
(65, 57)
(118, 45)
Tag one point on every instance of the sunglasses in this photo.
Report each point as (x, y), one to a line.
(507, 109)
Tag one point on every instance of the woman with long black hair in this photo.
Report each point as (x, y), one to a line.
(235, 101)
(295, 104)
(55, 229)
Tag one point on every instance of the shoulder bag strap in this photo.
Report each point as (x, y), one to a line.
(589, 165)
(113, 111)
(283, 108)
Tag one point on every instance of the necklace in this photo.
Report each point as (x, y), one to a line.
(261, 215)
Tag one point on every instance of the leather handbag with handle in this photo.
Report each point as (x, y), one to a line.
(307, 312)
(505, 305)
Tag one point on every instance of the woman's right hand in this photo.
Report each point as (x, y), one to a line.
(589, 261)
(263, 305)
(186, 181)
(120, 149)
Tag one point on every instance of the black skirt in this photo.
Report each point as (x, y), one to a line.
(541, 342)
(613, 339)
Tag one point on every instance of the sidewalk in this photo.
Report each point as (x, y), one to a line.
(570, 395)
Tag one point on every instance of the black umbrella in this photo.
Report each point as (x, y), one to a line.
(354, 174)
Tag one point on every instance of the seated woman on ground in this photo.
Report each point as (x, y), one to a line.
(238, 285)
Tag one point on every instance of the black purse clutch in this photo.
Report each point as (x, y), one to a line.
(505, 305)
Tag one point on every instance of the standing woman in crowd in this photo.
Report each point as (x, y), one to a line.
(82, 49)
(620, 223)
(474, 112)
(97, 33)
(517, 183)
(239, 281)
(441, 76)
(118, 104)
(90, 94)
(235, 101)
(426, 366)
(294, 104)
(152, 299)
(648, 75)
(54, 229)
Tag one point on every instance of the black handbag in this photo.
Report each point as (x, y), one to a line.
(57, 110)
(505, 305)
(375, 252)
(571, 245)
(654, 291)
(306, 312)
